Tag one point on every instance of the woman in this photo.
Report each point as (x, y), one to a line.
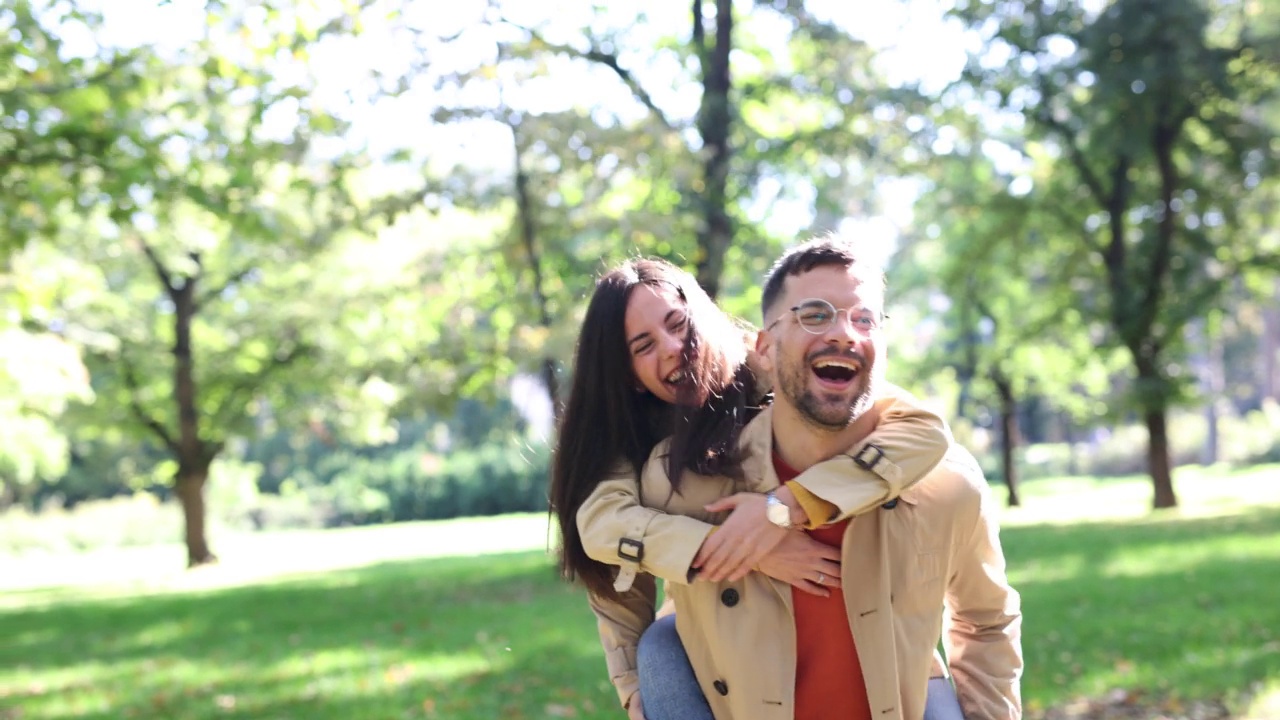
(653, 342)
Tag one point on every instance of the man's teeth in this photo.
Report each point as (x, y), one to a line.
(846, 364)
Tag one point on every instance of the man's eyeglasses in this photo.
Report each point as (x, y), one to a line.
(817, 316)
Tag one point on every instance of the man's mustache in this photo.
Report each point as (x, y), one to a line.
(853, 355)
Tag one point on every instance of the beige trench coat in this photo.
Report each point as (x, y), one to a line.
(938, 543)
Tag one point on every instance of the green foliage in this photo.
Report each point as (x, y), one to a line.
(67, 133)
(1124, 105)
(340, 278)
(416, 484)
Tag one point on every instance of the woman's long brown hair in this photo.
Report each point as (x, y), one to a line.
(607, 423)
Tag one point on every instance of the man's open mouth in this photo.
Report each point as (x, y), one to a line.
(836, 371)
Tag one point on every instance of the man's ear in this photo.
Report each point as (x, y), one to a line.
(764, 350)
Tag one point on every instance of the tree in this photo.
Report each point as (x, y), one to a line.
(59, 140)
(1130, 101)
(983, 253)
(232, 281)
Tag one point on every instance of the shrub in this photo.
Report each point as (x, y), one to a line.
(140, 519)
(416, 484)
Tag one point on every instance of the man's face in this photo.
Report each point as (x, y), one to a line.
(825, 370)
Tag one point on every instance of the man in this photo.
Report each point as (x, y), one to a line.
(761, 650)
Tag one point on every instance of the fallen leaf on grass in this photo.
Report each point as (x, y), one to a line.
(563, 711)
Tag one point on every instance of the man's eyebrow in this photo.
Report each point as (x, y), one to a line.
(645, 334)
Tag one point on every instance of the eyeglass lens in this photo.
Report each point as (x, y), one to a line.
(818, 315)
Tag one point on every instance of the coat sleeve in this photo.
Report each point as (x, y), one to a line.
(907, 443)
(617, 530)
(983, 636)
(621, 622)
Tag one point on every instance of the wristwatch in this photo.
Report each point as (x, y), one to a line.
(776, 511)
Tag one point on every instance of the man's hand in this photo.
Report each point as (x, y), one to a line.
(805, 563)
(737, 546)
(635, 710)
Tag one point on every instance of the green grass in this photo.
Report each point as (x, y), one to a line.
(394, 622)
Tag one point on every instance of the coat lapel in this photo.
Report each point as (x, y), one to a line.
(864, 558)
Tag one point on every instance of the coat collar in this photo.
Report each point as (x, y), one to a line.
(757, 443)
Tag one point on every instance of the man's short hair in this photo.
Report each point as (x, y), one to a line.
(829, 249)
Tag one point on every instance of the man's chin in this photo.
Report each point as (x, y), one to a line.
(839, 411)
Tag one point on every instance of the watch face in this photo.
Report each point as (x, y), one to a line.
(778, 513)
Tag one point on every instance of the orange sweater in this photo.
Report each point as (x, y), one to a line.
(829, 683)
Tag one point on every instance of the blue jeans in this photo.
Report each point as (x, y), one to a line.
(670, 691)
(941, 703)
(668, 687)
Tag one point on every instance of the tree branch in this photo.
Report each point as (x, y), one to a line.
(117, 63)
(699, 31)
(1045, 116)
(130, 378)
(251, 382)
(609, 60)
(233, 279)
(156, 263)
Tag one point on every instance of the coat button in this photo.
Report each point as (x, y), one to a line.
(729, 598)
(721, 687)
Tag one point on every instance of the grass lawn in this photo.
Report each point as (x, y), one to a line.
(397, 622)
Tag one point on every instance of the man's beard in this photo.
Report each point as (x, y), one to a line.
(830, 412)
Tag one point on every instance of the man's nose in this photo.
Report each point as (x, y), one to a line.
(842, 330)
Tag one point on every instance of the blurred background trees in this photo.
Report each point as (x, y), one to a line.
(322, 263)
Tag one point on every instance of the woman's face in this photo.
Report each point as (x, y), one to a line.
(656, 326)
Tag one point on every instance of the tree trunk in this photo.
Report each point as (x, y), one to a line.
(1149, 375)
(194, 456)
(715, 231)
(528, 239)
(1270, 385)
(193, 453)
(1158, 459)
(1215, 390)
(190, 486)
(551, 378)
(1008, 435)
(1069, 437)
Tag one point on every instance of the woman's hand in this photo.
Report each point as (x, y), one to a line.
(735, 548)
(635, 710)
(802, 562)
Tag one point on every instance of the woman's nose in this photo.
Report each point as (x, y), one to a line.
(672, 344)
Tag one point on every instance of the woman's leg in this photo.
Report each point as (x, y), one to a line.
(668, 687)
(942, 703)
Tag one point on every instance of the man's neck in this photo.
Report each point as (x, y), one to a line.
(801, 444)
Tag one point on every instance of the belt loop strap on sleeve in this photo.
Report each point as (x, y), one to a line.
(630, 553)
(871, 457)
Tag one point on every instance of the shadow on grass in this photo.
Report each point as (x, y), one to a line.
(500, 636)
(1185, 608)
(495, 636)
(1098, 540)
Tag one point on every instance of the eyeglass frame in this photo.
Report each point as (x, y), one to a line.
(879, 317)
